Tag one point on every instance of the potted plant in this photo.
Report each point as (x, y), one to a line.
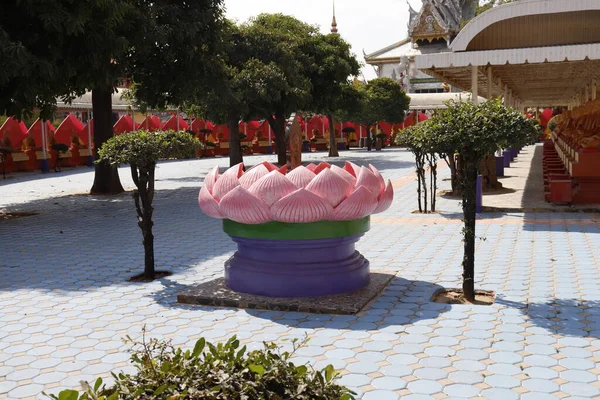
(294, 229)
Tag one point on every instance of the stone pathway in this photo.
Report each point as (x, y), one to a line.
(65, 303)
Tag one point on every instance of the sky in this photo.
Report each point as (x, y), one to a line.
(366, 24)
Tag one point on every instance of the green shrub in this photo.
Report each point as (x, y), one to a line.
(215, 372)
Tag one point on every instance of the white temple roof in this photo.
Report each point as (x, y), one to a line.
(433, 101)
(392, 52)
(84, 102)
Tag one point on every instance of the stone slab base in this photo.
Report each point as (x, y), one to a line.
(216, 293)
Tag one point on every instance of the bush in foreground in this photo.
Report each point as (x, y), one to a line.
(215, 372)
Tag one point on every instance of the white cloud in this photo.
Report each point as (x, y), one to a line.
(369, 25)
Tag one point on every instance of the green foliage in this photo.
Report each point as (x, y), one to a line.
(382, 99)
(215, 372)
(332, 67)
(143, 148)
(475, 131)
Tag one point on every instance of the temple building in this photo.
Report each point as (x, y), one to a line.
(430, 30)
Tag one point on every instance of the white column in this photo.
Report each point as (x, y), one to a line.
(489, 83)
(474, 85)
(594, 88)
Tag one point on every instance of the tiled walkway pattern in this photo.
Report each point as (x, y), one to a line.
(65, 303)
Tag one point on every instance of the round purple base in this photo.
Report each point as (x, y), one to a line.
(297, 268)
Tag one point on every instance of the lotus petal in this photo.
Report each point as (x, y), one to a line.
(368, 179)
(272, 187)
(208, 204)
(348, 177)
(253, 175)
(330, 187)
(359, 204)
(385, 199)
(301, 206)
(311, 167)
(270, 167)
(352, 168)
(379, 178)
(283, 169)
(211, 178)
(241, 206)
(228, 181)
(301, 176)
(322, 166)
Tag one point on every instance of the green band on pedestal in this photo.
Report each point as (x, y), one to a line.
(288, 231)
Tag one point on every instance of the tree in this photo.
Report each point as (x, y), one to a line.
(382, 100)
(334, 65)
(475, 131)
(91, 45)
(243, 82)
(281, 43)
(142, 150)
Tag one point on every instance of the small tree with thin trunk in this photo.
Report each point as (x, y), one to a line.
(475, 131)
(382, 100)
(142, 150)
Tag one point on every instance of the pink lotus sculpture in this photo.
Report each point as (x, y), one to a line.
(308, 194)
(296, 232)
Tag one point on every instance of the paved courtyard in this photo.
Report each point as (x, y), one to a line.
(65, 303)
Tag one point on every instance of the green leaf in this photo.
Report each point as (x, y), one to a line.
(240, 353)
(301, 369)
(166, 366)
(97, 384)
(199, 347)
(160, 390)
(113, 396)
(258, 369)
(329, 373)
(68, 395)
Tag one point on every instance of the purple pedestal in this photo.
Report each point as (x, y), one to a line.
(479, 194)
(341, 146)
(499, 166)
(297, 268)
(506, 156)
(513, 153)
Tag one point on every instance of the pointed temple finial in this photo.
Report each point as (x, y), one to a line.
(334, 28)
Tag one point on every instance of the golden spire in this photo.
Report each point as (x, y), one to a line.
(334, 28)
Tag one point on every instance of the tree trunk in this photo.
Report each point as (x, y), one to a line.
(433, 177)
(369, 139)
(418, 170)
(278, 127)
(143, 197)
(235, 144)
(488, 173)
(333, 149)
(424, 178)
(469, 198)
(451, 161)
(106, 177)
